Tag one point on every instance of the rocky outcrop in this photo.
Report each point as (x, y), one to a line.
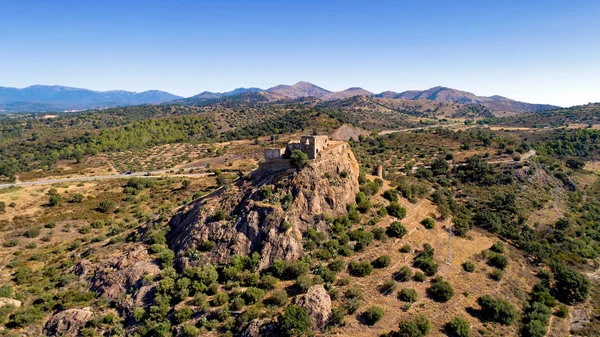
(122, 275)
(9, 301)
(68, 322)
(259, 328)
(318, 304)
(273, 225)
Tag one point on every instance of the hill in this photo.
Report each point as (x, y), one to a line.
(442, 94)
(41, 98)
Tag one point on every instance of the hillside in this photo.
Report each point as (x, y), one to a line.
(496, 103)
(39, 98)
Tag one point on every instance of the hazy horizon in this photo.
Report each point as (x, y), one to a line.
(523, 51)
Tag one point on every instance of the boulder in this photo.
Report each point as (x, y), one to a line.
(317, 303)
(259, 328)
(68, 322)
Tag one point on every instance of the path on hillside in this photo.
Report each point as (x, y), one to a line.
(386, 132)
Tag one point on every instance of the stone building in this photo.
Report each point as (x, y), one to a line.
(311, 145)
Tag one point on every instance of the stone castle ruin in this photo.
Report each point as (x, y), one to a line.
(311, 145)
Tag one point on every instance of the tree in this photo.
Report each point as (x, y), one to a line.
(428, 223)
(571, 286)
(396, 229)
(298, 158)
(458, 327)
(439, 166)
(408, 295)
(294, 321)
(394, 209)
(372, 315)
(54, 200)
(496, 310)
(360, 268)
(440, 290)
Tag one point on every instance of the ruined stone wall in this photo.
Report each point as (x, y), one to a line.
(273, 154)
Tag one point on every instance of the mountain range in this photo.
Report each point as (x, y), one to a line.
(57, 98)
(42, 98)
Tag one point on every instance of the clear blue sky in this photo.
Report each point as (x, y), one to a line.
(536, 51)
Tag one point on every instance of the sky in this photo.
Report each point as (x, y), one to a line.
(533, 51)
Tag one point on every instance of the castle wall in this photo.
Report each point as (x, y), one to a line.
(273, 154)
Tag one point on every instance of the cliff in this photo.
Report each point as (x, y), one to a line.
(266, 213)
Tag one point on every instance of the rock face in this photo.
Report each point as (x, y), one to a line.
(271, 225)
(9, 301)
(259, 328)
(122, 275)
(68, 322)
(318, 304)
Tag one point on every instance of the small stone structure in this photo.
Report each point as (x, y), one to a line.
(311, 145)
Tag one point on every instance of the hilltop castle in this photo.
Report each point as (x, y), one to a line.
(311, 145)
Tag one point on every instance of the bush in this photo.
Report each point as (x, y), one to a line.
(54, 200)
(396, 229)
(106, 206)
(268, 282)
(182, 315)
(408, 295)
(219, 215)
(303, 283)
(32, 232)
(571, 286)
(279, 297)
(337, 265)
(499, 311)
(298, 158)
(468, 266)
(77, 198)
(360, 268)
(190, 331)
(253, 295)
(382, 261)
(372, 315)
(405, 248)
(394, 209)
(440, 290)
(388, 287)
(419, 277)
(496, 275)
(219, 299)
(499, 261)
(26, 316)
(458, 327)
(419, 327)
(404, 274)
(428, 223)
(207, 246)
(498, 247)
(391, 195)
(294, 321)
(563, 311)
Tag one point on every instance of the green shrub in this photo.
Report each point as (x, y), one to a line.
(396, 229)
(428, 223)
(190, 331)
(571, 286)
(360, 268)
(268, 282)
(219, 215)
(388, 287)
(404, 274)
(498, 247)
(26, 316)
(419, 277)
(382, 261)
(6, 290)
(496, 310)
(394, 209)
(391, 195)
(253, 295)
(468, 266)
(77, 198)
(278, 297)
(298, 158)
(563, 311)
(294, 321)
(182, 314)
(496, 275)
(303, 283)
(32, 232)
(499, 261)
(458, 327)
(219, 299)
(419, 327)
(405, 248)
(408, 295)
(440, 290)
(54, 200)
(379, 233)
(337, 265)
(372, 315)
(106, 206)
